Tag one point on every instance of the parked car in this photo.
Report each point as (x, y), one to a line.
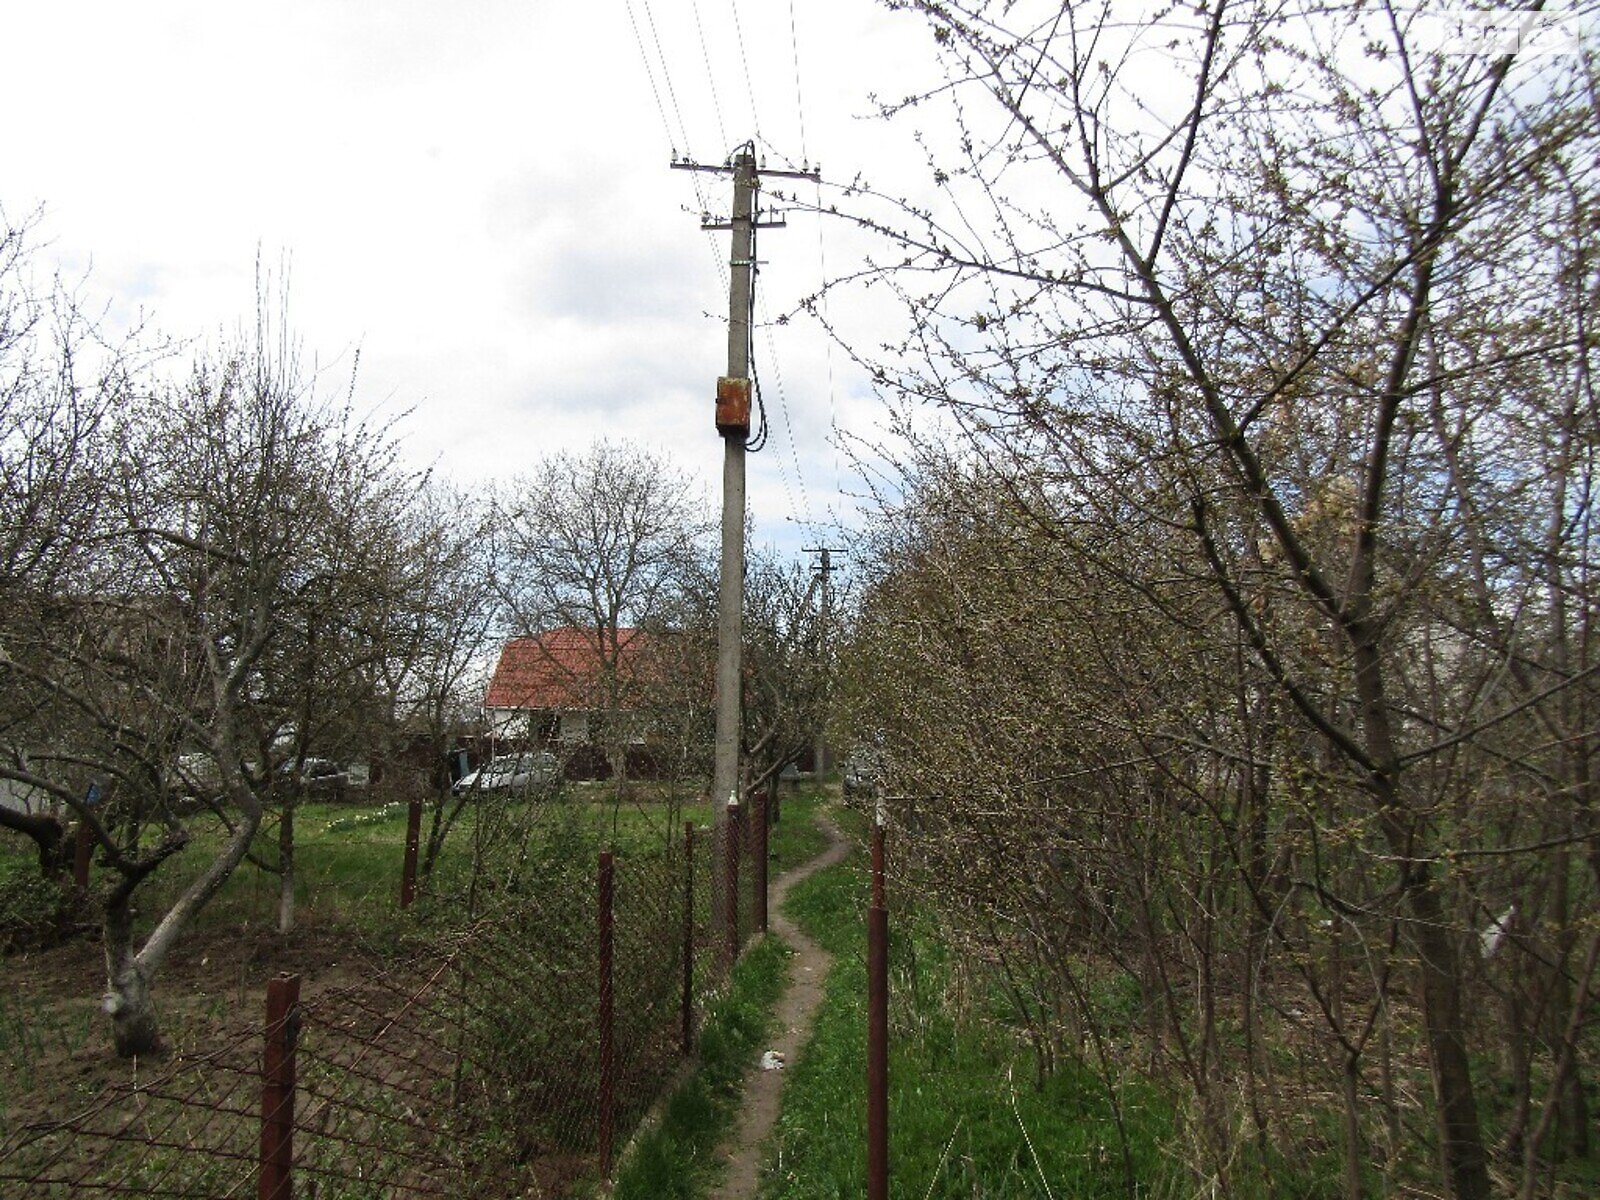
(511, 772)
(318, 776)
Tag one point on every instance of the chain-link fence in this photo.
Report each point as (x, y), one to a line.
(507, 1051)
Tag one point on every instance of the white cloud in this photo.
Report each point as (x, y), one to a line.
(475, 195)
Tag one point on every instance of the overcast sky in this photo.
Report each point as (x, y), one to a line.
(477, 196)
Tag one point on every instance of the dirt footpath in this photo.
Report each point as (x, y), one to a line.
(796, 1012)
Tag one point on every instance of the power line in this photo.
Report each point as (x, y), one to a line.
(759, 441)
(749, 86)
(822, 264)
(799, 104)
(666, 124)
(746, 262)
(783, 406)
(644, 57)
(711, 75)
(672, 92)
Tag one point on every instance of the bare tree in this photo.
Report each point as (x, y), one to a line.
(603, 543)
(1268, 314)
(786, 671)
(455, 615)
(162, 641)
(63, 391)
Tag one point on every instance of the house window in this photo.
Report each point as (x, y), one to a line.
(574, 727)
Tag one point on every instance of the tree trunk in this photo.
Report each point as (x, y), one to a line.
(1352, 1130)
(1393, 1130)
(446, 807)
(135, 1030)
(1518, 1049)
(1461, 1153)
(1350, 1062)
(129, 975)
(1460, 1136)
(286, 864)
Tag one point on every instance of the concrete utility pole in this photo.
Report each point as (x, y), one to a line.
(733, 424)
(733, 395)
(824, 572)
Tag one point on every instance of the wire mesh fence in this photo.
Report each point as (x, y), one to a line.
(507, 1050)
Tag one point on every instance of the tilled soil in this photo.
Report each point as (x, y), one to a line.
(55, 1043)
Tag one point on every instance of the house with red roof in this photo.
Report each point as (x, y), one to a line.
(587, 693)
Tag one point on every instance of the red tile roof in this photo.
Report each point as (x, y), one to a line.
(562, 669)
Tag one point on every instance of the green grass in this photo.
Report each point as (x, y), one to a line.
(349, 856)
(673, 1161)
(968, 1115)
(797, 838)
(965, 1115)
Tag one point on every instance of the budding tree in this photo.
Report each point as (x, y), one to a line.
(603, 543)
(1315, 310)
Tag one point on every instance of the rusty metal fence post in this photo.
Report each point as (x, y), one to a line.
(759, 853)
(608, 1064)
(733, 841)
(408, 873)
(877, 1029)
(688, 937)
(278, 1088)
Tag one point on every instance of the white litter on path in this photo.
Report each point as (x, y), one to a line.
(772, 1061)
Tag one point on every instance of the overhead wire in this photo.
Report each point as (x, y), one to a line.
(711, 75)
(803, 511)
(754, 445)
(822, 260)
(805, 153)
(677, 136)
(672, 92)
(799, 103)
(749, 85)
(644, 57)
(682, 134)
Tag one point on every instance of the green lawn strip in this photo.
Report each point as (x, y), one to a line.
(349, 856)
(796, 838)
(674, 1159)
(966, 1118)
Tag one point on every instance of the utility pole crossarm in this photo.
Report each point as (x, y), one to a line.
(727, 225)
(814, 174)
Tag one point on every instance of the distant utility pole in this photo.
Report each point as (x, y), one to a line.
(824, 572)
(733, 423)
